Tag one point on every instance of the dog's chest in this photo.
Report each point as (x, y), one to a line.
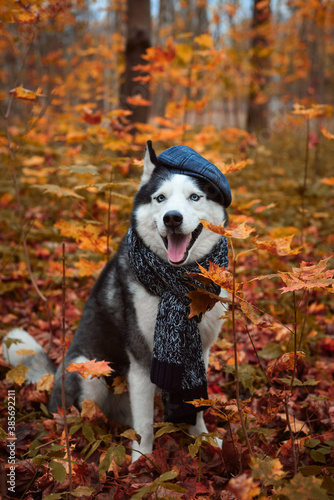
(146, 307)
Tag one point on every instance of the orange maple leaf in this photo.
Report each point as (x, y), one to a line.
(220, 276)
(241, 232)
(277, 246)
(233, 167)
(328, 180)
(201, 302)
(284, 363)
(138, 100)
(90, 410)
(91, 368)
(308, 276)
(316, 111)
(326, 133)
(25, 94)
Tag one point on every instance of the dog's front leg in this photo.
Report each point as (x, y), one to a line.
(142, 393)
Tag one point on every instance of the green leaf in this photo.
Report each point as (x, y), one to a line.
(83, 169)
(324, 450)
(58, 471)
(131, 434)
(174, 487)
(194, 448)
(312, 443)
(9, 342)
(264, 431)
(311, 381)
(93, 448)
(299, 383)
(311, 470)
(104, 465)
(287, 381)
(44, 409)
(119, 455)
(250, 376)
(53, 496)
(268, 470)
(81, 491)
(57, 447)
(272, 350)
(88, 433)
(302, 488)
(166, 428)
(317, 456)
(74, 429)
(142, 492)
(166, 476)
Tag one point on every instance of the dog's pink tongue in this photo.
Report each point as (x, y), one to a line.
(177, 246)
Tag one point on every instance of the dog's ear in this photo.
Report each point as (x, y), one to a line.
(150, 162)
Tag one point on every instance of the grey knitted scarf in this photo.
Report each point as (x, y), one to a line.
(178, 365)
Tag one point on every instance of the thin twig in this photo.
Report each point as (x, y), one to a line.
(256, 354)
(304, 188)
(236, 371)
(294, 342)
(292, 437)
(63, 399)
(304, 321)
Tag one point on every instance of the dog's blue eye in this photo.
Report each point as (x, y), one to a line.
(160, 198)
(194, 197)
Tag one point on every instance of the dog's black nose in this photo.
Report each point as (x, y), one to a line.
(173, 219)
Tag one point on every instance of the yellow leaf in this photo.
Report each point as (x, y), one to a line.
(91, 410)
(25, 352)
(33, 161)
(46, 383)
(184, 52)
(277, 246)
(204, 40)
(119, 385)
(57, 190)
(25, 17)
(17, 374)
(25, 94)
(88, 267)
(296, 425)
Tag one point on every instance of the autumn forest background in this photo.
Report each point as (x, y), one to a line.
(249, 85)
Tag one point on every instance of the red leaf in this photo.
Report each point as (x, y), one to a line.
(313, 140)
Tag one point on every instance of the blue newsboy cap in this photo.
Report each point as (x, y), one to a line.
(184, 160)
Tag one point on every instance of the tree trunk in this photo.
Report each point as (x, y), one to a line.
(260, 65)
(165, 29)
(137, 41)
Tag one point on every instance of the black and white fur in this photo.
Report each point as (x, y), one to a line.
(118, 320)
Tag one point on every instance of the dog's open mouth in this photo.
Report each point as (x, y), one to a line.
(178, 245)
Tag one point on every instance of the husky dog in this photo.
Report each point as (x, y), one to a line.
(137, 316)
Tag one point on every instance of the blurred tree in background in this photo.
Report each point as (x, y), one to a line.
(249, 85)
(249, 65)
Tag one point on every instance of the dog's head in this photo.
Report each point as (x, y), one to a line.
(169, 205)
